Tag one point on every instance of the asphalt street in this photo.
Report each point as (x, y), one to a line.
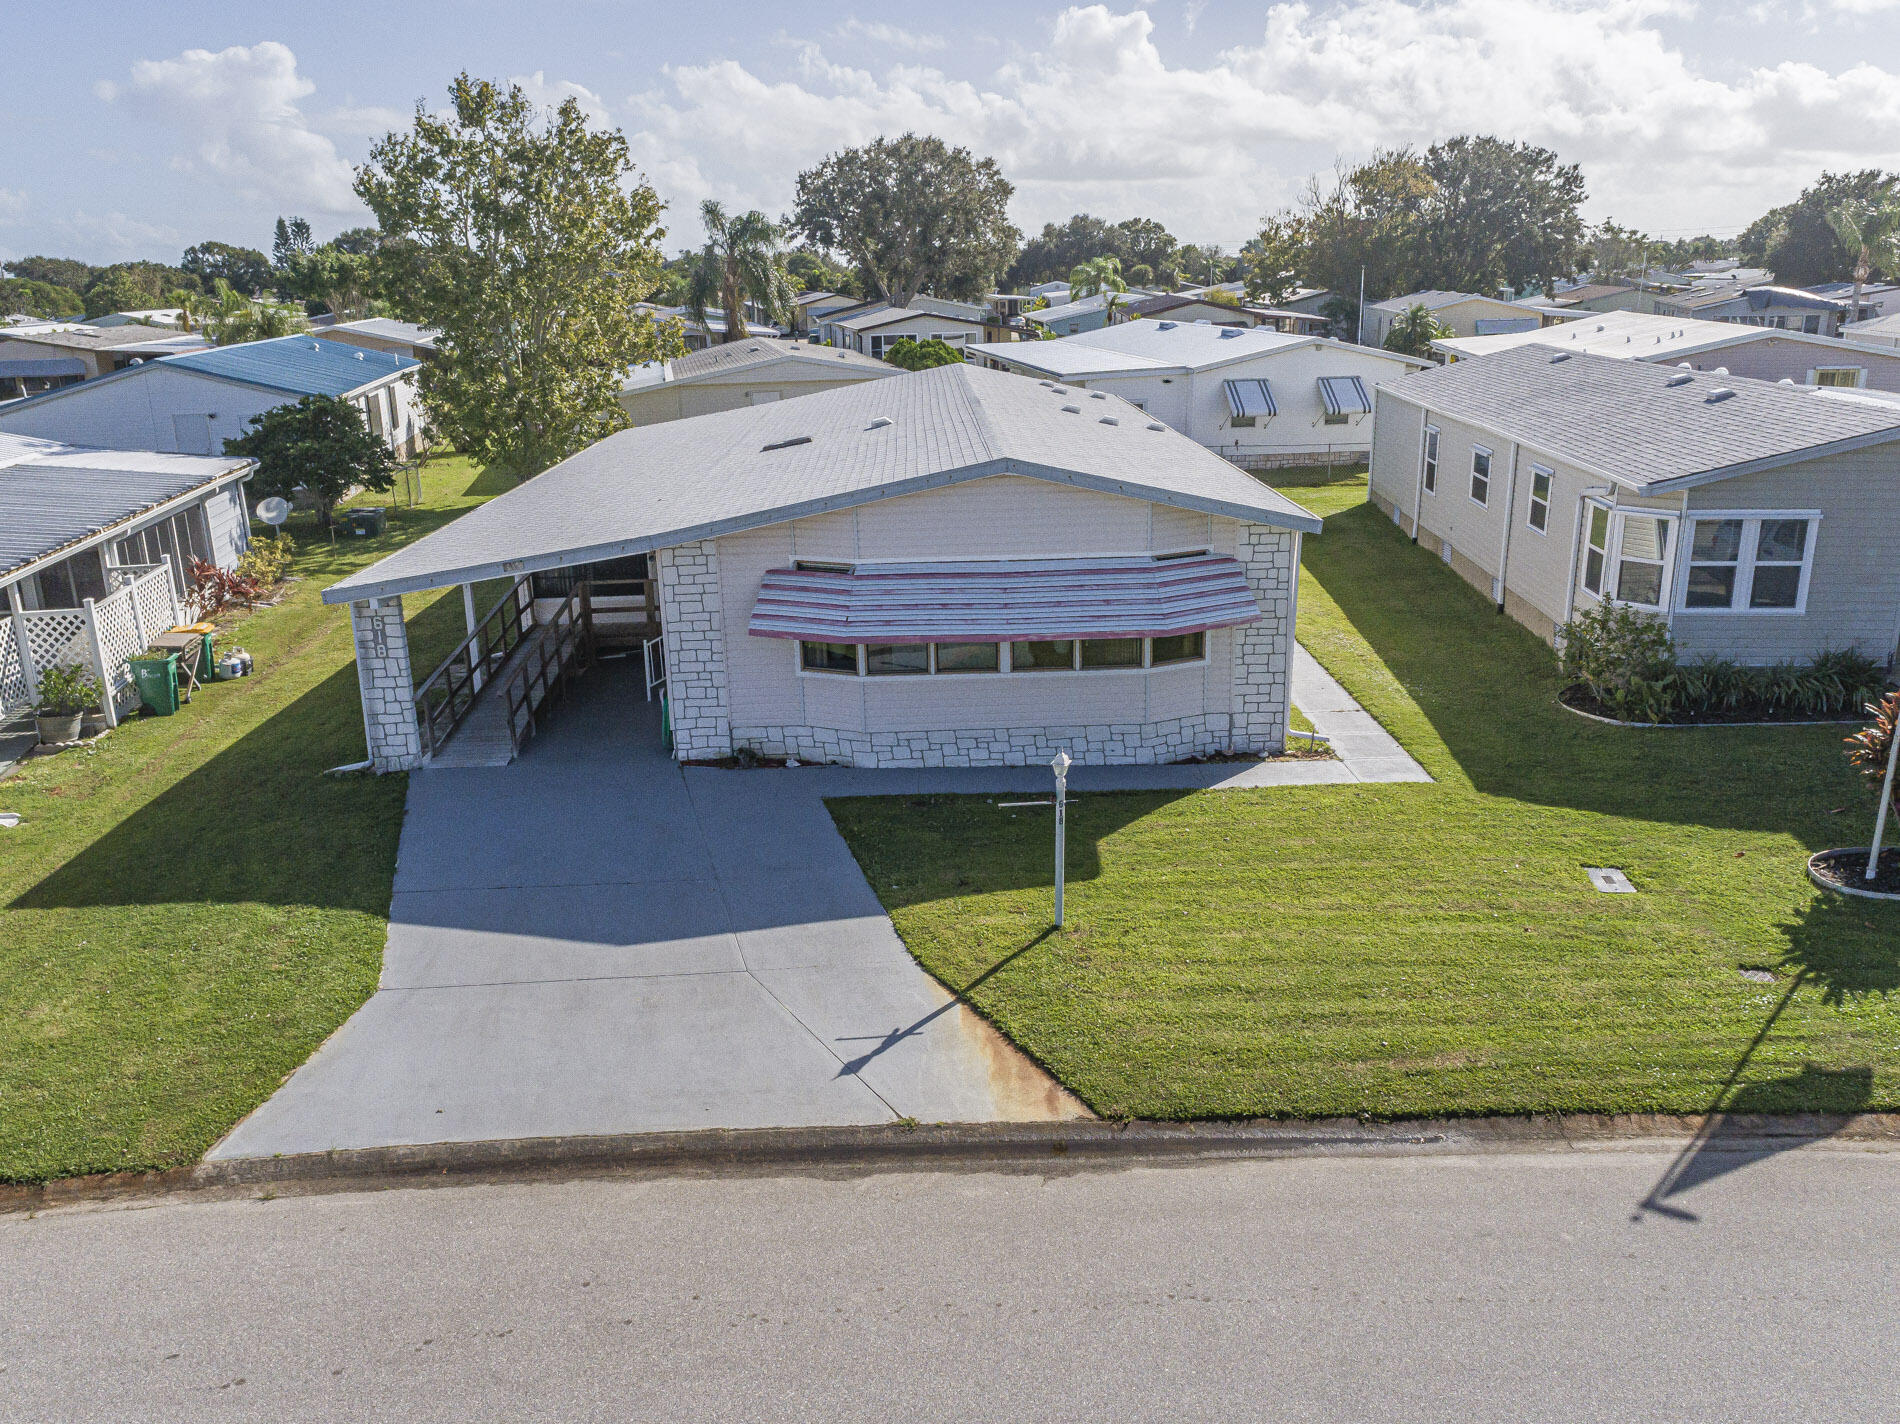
(1522, 1287)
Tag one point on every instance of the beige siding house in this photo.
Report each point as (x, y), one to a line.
(953, 567)
(742, 373)
(1758, 520)
(1466, 313)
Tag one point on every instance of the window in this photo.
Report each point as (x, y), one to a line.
(1597, 556)
(968, 657)
(1057, 656)
(1181, 648)
(1332, 419)
(1431, 459)
(1811, 324)
(1480, 474)
(1837, 376)
(1742, 562)
(896, 659)
(1111, 652)
(1642, 553)
(828, 657)
(1540, 499)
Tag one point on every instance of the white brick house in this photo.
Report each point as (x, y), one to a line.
(953, 567)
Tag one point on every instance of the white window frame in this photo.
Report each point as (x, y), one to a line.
(1745, 563)
(1612, 551)
(1004, 667)
(1549, 477)
(1429, 466)
(1490, 457)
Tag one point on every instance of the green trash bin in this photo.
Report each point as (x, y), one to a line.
(157, 681)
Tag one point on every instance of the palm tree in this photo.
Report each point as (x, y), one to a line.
(1869, 228)
(1415, 331)
(1098, 274)
(739, 264)
(236, 317)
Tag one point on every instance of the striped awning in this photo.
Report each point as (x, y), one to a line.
(1250, 398)
(999, 602)
(1344, 395)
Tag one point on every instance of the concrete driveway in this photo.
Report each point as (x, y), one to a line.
(593, 940)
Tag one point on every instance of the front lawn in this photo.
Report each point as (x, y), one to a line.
(1413, 949)
(188, 910)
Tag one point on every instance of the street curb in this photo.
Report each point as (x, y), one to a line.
(1041, 1146)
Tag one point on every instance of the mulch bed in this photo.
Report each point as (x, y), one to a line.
(1579, 698)
(1847, 870)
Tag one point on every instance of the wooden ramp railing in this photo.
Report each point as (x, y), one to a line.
(447, 695)
(559, 649)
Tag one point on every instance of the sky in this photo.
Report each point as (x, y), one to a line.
(135, 130)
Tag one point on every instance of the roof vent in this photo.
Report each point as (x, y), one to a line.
(1678, 380)
(1060, 390)
(1719, 371)
(359, 356)
(1098, 395)
(1720, 393)
(1110, 420)
(878, 422)
(1168, 325)
(1073, 409)
(1560, 356)
(786, 444)
(1785, 381)
(1156, 425)
(1047, 385)
(1227, 331)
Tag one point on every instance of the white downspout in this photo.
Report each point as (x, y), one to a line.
(1510, 513)
(1418, 494)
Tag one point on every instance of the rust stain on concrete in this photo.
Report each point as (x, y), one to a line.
(1021, 1090)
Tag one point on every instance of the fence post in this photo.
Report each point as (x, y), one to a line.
(29, 669)
(171, 587)
(107, 698)
(130, 590)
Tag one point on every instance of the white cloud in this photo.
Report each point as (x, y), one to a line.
(1097, 117)
(549, 95)
(239, 109)
(12, 203)
(893, 36)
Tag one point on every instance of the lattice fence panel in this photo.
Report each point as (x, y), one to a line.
(13, 689)
(118, 639)
(154, 593)
(58, 638)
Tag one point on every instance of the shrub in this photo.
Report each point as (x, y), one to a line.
(66, 690)
(211, 588)
(1869, 748)
(267, 560)
(922, 355)
(1625, 659)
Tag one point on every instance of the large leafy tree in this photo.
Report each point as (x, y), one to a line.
(1615, 251)
(31, 298)
(343, 282)
(740, 265)
(245, 268)
(1798, 243)
(292, 239)
(1497, 214)
(914, 355)
(66, 272)
(1275, 258)
(1869, 231)
(913, 215)
(320, 445)
(813, 272)
(1061, 247)
(526, 238)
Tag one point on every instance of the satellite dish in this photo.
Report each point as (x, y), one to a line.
(274, 510)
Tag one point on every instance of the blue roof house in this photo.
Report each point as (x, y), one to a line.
(190, 404)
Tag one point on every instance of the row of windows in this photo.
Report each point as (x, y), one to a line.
(1736, 563)
(1538, 514)
(1055, 655)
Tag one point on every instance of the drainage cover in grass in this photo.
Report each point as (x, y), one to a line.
(1609, 880)
(1755, 974)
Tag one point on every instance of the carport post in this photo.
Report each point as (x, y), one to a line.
(468, 616)
(1060, 766)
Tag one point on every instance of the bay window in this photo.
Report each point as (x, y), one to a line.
(1750, 563)
(1627, 555)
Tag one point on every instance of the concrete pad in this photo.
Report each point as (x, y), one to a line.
(439, 938)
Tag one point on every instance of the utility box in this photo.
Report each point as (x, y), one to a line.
(369, 520)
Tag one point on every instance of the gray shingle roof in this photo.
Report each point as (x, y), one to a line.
(94, 338)
(681, 480)
(54, 495)
(1645, 426)
(729, 356)
(391, 330)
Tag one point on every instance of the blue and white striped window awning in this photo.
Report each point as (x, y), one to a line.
(1344, 395)
(1250, 398)
(1001, 602)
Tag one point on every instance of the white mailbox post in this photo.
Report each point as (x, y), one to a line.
(1060, 766)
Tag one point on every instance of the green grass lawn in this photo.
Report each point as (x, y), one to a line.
(1414, 949)
(188, 910)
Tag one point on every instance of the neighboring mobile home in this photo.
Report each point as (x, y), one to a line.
(952, 567)
(740, 373)
(1465, 313)
(1758, 352)
(95, 546)
(192, 403)
(381, 333)
(1759, 520)
(1259, 398)
(87, 352)
(1785, 308)
(873, 328)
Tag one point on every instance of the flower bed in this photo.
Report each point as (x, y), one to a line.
(1846, 871)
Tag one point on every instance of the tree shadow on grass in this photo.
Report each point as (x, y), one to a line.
(259, 822)
(1489, 688)
(1840, 947)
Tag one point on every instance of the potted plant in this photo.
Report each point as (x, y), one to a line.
(65, 694)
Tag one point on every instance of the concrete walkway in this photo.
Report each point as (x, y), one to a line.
(592, 941)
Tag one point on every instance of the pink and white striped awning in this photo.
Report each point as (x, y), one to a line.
(1001, 602)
